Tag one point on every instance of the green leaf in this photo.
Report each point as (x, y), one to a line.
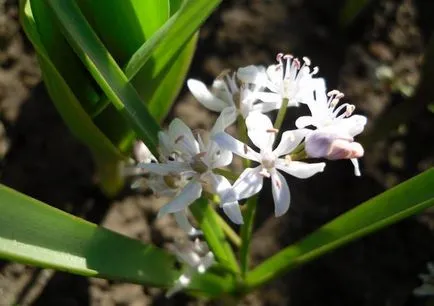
(69, 107)
(38, 234)
(172, 36)
(404, 200)
(105, 70)
(206, 217)
(34, 233)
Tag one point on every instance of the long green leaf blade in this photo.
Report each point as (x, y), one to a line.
(78, 121)
(391, 206)
(172, 36)
(34, 233)
(38, 234)
(105, 70)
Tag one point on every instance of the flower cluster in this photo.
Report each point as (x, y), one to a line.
(190, 162)
(194, 164)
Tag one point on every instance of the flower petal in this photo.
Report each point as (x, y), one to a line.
(354, 125)
(204, 96)
(185, 225)
(228, 142)
(304, 121)
(260, 130)
(217, 157)
(290, 140)
(227, 117)
(249, 183)
(233, 211)
(183, 137)
(252, 75)
(165, 169)
(188, 195)
(281, 194)
(269, 97)
(299, 169)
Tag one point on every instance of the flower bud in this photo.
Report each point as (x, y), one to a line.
(332, 145)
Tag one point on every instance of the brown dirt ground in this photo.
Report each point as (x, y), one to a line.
(40, 158)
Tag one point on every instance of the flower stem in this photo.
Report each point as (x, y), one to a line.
(246, 234)
(229, 232)
(281, 114)
(242, 134)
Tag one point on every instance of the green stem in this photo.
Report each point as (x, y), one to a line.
(281, 114)
(230, 233)
(242, 134)
(206, 216)
(246, 234)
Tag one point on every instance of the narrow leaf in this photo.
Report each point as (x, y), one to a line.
(38, 234)
(105, 70)
(404, 200)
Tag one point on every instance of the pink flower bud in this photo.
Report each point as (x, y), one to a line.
(332, 145)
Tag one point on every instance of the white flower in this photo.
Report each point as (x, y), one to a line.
(262, 134)
(196, 257)
(232, 94)
(187, 165)
(336, 127)
(289, 79)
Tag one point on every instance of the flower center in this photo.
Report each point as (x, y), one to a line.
(173, 180)
(268, 160)
(197, 164)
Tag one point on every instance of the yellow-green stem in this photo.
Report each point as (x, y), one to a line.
(229, 232)
(246, 234)
(281, 114)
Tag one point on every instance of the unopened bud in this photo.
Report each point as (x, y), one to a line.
(333, 146)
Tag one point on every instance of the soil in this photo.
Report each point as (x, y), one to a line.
(40, 158)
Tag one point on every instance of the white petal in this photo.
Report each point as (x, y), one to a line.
(188, 195)
(265, 107)
(290, 140)
(269, 97)
(275, 75)
(355, 162)
(166, 145)
(220, 185)
(354, 125)
(259, 129)
(228, 142)
(252, 75)
(183, 137)
(185, 225)
(299, 169)
(233, 211)
(217, 157)
(165, 169)
(304, 121)
(228, 198)
(281, 193)
(226, 118)
(204, 96)
(249, 183)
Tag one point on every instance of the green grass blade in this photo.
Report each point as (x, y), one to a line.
(206, 217)
(112, 19)
(246, 233)
(105, 70)
(35, 233)
(391, 206)
(172, 36)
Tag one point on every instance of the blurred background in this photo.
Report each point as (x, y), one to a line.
(375, 58)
